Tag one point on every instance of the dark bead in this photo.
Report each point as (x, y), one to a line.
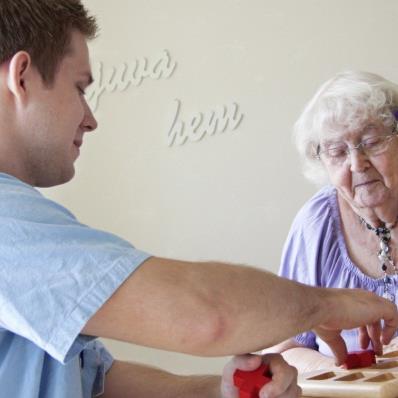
(384, 267)
(387, 280)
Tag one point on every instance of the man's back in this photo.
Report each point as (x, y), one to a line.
(26, 371)
(55, 273)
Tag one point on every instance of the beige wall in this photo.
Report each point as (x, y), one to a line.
(232, 195)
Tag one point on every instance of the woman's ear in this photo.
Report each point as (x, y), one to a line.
(18, 69)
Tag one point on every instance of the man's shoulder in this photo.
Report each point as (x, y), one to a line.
(22, 202)
(11, 184)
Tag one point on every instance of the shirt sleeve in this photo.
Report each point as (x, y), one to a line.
(55, 273)
(95, 363)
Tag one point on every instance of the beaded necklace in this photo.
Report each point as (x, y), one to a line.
(384, 256)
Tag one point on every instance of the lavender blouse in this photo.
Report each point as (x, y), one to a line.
(315, 253)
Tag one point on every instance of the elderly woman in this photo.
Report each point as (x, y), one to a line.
(346, 235)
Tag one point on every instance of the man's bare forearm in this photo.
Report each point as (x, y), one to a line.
(255, 309)
(125, 380)
(206, 308)
(215, 309)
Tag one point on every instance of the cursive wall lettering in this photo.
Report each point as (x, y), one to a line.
(201, 124)
(121, 77)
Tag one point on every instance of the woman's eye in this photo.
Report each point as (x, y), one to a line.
(370, 142)
(336, 152)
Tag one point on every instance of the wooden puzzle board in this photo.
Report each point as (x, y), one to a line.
(378, 381)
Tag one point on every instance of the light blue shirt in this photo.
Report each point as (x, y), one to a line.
(55, 273)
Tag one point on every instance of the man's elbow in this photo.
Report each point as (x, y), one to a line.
(209, 333)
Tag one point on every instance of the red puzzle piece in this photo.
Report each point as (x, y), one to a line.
(360, 359)
(250, 383)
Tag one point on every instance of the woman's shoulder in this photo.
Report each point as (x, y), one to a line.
(310, 239)
(317, 222)
(320, 208)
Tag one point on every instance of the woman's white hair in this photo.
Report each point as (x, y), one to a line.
(344, 103)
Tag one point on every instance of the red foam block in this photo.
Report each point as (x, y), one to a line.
(360, 359)
(249, 383)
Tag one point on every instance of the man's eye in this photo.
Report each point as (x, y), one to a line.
(81, 90)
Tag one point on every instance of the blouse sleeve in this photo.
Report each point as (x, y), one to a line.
(303, 251)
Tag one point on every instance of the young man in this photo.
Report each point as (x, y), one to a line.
(61, 282)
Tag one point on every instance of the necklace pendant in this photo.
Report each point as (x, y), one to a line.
(387, 281)
(389, 288)
(386, 237)
(384, 247)
(385, 258)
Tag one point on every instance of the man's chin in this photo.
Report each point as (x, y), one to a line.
(54, 179)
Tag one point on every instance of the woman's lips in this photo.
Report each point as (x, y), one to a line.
(362, 184)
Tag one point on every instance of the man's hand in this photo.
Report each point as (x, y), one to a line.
(284, 376)
(355, 308)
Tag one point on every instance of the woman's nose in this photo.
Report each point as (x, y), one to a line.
(359, 161)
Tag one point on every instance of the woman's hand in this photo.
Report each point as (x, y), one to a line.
(284, 376)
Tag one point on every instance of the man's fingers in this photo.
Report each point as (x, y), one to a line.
(339, 350)
(244, 362)
(293, 391)
(284, 378)
(390, 317)
(364, 338)
(247, 362)
(374, 332)
(283, 375)
(336, 343)
(389, 329)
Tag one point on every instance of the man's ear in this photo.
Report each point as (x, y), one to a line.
(19, 67)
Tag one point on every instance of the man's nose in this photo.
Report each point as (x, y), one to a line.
(89, 122)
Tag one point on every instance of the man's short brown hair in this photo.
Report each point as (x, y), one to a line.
(43, 29)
